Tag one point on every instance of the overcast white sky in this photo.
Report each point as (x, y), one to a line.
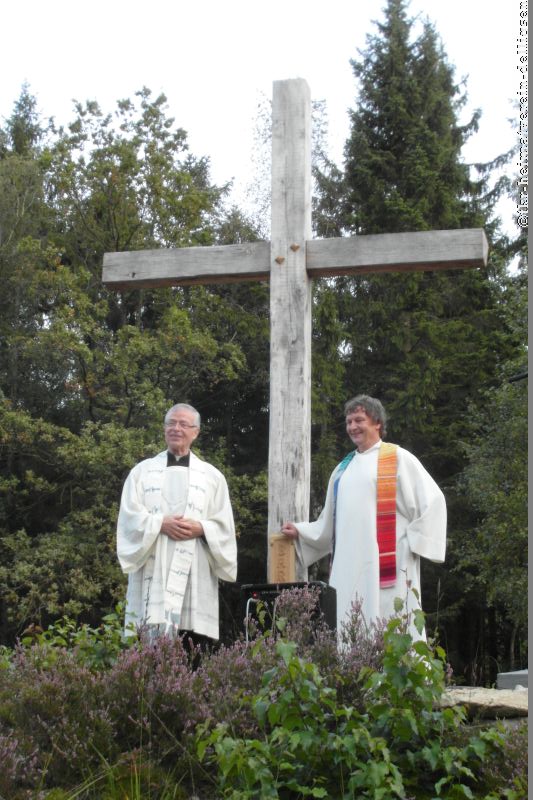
(216, 60)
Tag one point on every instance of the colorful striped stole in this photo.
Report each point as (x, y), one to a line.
(385, 513)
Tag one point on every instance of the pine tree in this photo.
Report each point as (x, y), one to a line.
(24, 129)
(402, 160)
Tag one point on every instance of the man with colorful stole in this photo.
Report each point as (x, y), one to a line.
(383, 511)
(176, 536)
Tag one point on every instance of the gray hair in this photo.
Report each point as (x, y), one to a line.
(184, 407)
(371, 406)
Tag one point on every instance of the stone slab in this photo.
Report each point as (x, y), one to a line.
(487, 703)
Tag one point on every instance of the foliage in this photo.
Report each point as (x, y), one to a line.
(234, 673)
(89, 713)
(96, 648)
(496, 553)
(60, 488)
(424, 342)
(400, 744)
(125, 180)
(307, 737)
(508, 769)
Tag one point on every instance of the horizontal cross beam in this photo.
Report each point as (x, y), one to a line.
(383, 252)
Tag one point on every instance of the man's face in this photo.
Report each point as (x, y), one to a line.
(180, 431)
(362, 429)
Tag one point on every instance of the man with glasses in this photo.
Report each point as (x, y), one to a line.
(176, 536)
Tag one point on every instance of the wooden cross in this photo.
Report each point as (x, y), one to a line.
(290, 261)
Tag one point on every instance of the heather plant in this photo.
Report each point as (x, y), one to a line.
(507, 770)
(232, 676)
(297, 615)
(53, 711)
(20, 765)
(154, 697)
(360, 651)
(344, 658)
(61, 721)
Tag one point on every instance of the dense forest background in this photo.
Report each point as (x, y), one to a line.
(86, 374)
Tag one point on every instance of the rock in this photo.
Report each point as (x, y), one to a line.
(487, 703)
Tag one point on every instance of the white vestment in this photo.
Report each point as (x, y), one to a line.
(420, 531)
(174, 584)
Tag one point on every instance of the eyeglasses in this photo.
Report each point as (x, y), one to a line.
(179, 424)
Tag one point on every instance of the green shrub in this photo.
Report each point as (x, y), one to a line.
(97, 648)
(400, 745)
(311, 747)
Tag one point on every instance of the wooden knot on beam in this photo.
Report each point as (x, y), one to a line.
(279, 260)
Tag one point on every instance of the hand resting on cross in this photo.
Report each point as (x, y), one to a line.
(289, 530)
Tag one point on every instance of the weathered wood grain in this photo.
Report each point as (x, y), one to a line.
(289, 459)
(187, 265)
(398, 252)
(384, 252)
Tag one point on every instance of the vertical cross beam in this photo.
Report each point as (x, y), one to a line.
(289, 460)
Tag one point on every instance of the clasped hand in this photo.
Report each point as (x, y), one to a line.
(180, 528)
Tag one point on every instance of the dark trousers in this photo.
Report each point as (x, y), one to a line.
(197, 645)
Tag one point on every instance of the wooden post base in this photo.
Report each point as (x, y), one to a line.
(282, 559)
